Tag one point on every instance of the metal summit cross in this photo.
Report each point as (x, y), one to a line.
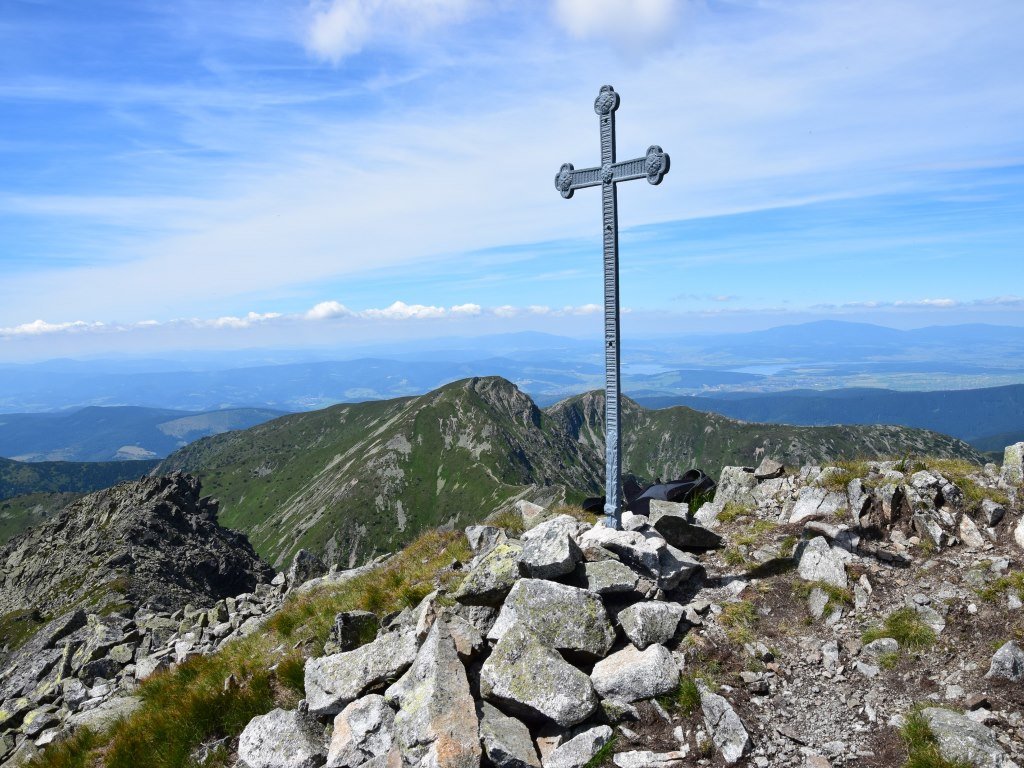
(653, 167)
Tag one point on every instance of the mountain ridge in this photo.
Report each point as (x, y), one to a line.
(353, 480)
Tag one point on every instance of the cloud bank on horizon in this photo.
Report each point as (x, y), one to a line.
(388, 164)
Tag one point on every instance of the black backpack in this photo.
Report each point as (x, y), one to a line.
(638, 498)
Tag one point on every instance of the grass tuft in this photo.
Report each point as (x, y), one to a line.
(698, 500)
(738, 620)
(291, 674)
(1012, 581)
(510, 520)
(574, 511)
(838, 597)
(603, 755)
(754, 532)
(77, 752)
(733, 511)
(849, 470)
(922, 746)
(685, 700)
(733, 556)
(906, 627)
(18, 627)
(788, 546)
(889, 660)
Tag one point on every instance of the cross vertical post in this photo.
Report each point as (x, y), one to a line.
(653, 166)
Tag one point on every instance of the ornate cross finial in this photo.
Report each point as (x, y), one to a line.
(653, 167)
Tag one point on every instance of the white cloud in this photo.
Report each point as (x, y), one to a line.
(634, 24)
(584, 309)
(466, 309)
(506, 310)
(328, 309)
(252, 318)
(938, 303)
(402, 311)
(40, 327)
(341, 28)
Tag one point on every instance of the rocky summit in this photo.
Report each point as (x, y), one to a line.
(155, 539)
(867, 613)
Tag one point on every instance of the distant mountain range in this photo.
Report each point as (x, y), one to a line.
(354, 480)
(115, 433)
(988, 418)
(821, 355)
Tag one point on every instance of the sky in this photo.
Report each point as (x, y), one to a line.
(192, 174)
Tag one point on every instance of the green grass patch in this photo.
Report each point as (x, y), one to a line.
(849, 470)
(906, 627)
(17, 627)
(686, 698)
(922, 746)
(738, 620)
(1013, 581)
(75, 752)
(291, 674)
(603, 756)
(889, 660)
(754, 532)
(838, 597)
(733, 556)
(191, 704)
(510, 520)
(788, 546)
(959, 472)
(733, 511)
(574, 511)
(698, 500)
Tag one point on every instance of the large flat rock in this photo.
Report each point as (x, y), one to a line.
(632, 675)
(525, 677)
(332, 682)
(563, 617)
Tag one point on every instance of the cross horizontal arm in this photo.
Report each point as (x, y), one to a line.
(653, 166)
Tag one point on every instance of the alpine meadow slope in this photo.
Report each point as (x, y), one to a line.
(352, 481)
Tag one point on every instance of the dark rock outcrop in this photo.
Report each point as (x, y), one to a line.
(152, 540)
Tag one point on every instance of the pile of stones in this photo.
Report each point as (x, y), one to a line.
(550, 641)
